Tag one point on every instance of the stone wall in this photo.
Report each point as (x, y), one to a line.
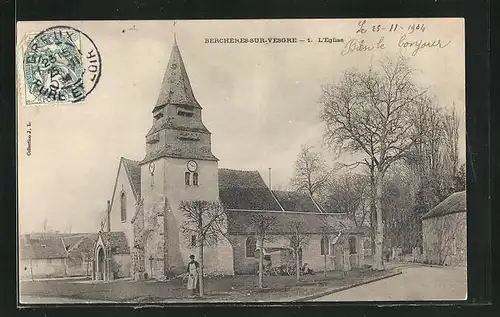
(123, 185)
(42, 268)
(445, 239)
(137, 248)
(123, 263)
(242, 264)
(311, 254)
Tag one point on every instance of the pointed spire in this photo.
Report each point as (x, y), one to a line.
(175, 37)
(176, 88)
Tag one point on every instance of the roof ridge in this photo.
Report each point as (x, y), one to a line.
(130, 160)
(237, 170)
(276, 198)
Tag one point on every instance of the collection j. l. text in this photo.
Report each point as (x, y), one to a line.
(28, 139)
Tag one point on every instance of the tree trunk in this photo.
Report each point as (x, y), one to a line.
(297, 263)
(200, 275)
(373, 210)
(325, 266)
(31, 270)
(261, 260)
(378, 263)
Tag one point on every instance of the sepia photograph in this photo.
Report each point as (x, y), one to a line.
(241, 161)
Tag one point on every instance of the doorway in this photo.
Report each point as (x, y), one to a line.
(100, 264)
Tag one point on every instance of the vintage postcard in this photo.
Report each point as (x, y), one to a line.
(241, 161)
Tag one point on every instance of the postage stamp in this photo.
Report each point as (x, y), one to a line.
(60, 65)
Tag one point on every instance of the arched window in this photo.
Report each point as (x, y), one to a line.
(324, 246)
(187, 176)
(195, 179)
(250, 246)
(123, 207)
(352, 245)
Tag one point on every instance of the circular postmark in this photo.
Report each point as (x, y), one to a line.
(61, 65)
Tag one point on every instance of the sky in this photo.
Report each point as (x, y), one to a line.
(260, 101)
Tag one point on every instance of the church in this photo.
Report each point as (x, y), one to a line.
(141, 236)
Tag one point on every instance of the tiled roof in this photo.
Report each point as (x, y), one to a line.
(242, 222)
(245, 190)
(175, 87)
(456, 202)
(133, 170)
(171, 150)
(295, 201)
(81, 242)
(39, 247)
(116, 241)
(179, 124)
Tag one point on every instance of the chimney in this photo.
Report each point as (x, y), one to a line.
(108, 217)
(270, 179)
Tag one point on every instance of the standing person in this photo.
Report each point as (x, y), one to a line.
(192, 269)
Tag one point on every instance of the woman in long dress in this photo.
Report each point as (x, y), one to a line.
(192, 269)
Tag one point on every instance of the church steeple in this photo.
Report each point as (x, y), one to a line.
(177, 130)
(175, 88)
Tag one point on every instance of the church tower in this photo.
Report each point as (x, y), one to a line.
(179, 166)
(177, 130)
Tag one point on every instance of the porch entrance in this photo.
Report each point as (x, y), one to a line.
(100, 264)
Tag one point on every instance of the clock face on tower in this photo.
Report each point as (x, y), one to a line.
(192, 166)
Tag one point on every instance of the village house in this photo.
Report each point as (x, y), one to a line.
(444, 231)
(142, 233)
(42, 257)
(54, 254)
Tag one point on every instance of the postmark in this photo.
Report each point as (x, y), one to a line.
(60, 65)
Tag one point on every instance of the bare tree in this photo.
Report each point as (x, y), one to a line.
(372, 114)
(434, 161)
(262, 224)
(451, 125)
(298, 238)
(311, 173)
(329, 237)
(206, 221)
(348, 193)
(325, 230)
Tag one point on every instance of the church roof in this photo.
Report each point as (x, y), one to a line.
(116, 241)
(456, 202)
(245, 190)
(180, 151)
(243, 222)
(133, 170)
(41, 247)
(176, 88)
(295, 201)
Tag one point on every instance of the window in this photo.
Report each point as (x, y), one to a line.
(195, 179)
(250, 246)
(184, 113)
(123, 206)
(324, 246)
(352, 245)
(193, 240)
(187, 176)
